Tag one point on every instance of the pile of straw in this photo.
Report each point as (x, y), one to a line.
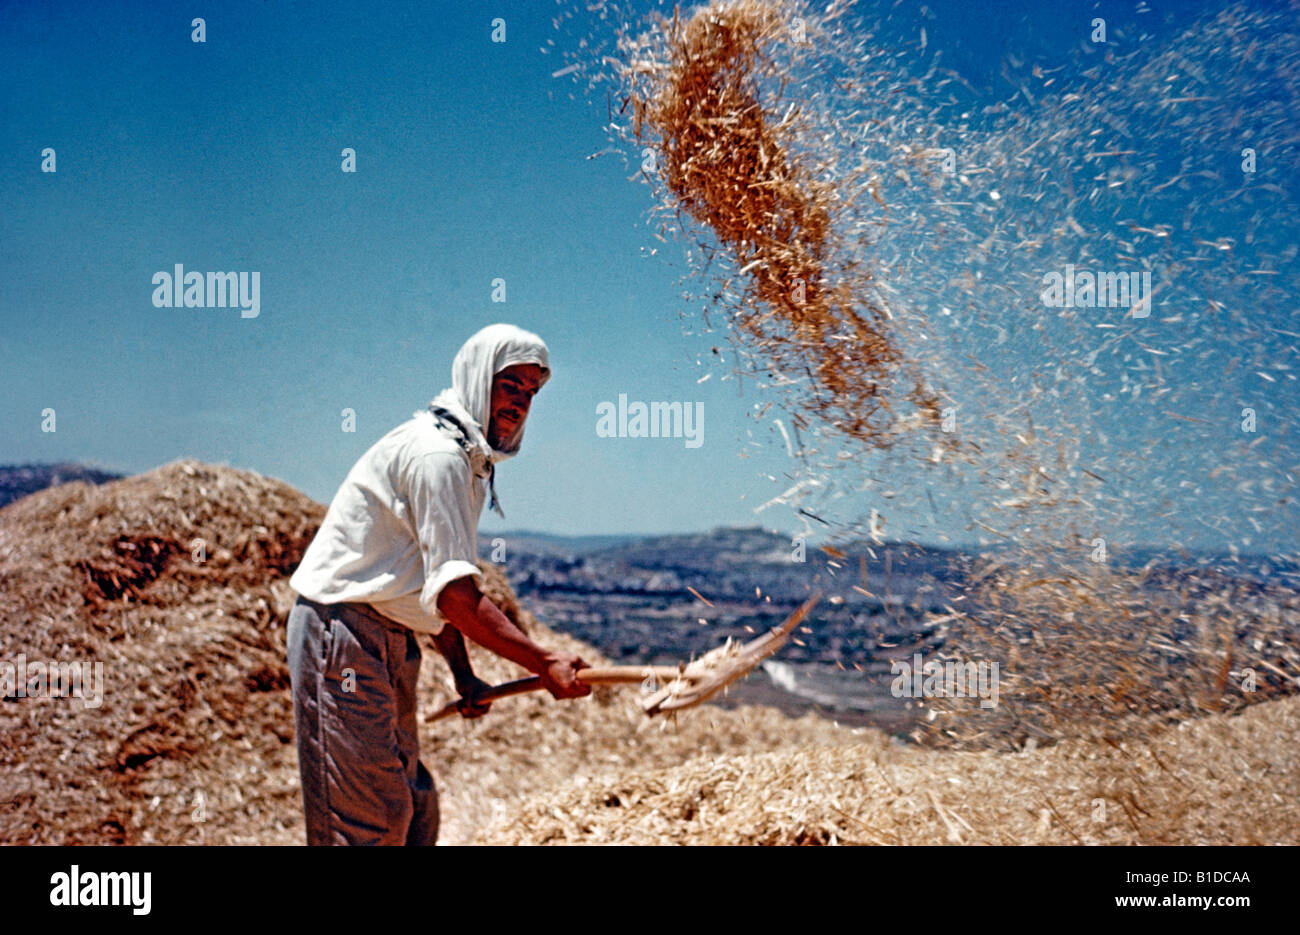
(174, 582)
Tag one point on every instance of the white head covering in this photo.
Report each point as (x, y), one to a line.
(469, 398)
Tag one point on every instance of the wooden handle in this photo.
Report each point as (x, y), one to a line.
(597, 675)
(611, 675)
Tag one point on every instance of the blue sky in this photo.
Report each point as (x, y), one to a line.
(226, 156)
(472, 166)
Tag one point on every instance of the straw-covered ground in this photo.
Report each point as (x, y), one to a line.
(1218, 780)
(176, 581)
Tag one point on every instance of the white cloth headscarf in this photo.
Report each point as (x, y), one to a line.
(469, 398)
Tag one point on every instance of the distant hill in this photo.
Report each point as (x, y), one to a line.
(18, 480)
(659, 598)
(545, 543)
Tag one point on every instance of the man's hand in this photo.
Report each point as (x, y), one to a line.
(560, 677)
(470, 687)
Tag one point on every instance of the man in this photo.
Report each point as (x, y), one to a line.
(395, 556)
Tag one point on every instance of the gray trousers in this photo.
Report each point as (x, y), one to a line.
(353, 673)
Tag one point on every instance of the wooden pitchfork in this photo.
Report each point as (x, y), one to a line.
(683, 685)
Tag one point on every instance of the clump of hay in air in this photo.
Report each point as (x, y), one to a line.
(705, 92)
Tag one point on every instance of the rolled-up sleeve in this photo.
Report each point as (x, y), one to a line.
(442, 511)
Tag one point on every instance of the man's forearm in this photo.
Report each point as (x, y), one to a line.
(473, 614)
(452, 646)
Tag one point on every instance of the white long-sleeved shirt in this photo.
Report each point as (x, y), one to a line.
(403, 525)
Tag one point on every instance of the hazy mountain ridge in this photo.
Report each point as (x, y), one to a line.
(19, 480)
(634, 600)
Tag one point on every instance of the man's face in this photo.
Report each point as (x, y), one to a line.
(512, 394)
